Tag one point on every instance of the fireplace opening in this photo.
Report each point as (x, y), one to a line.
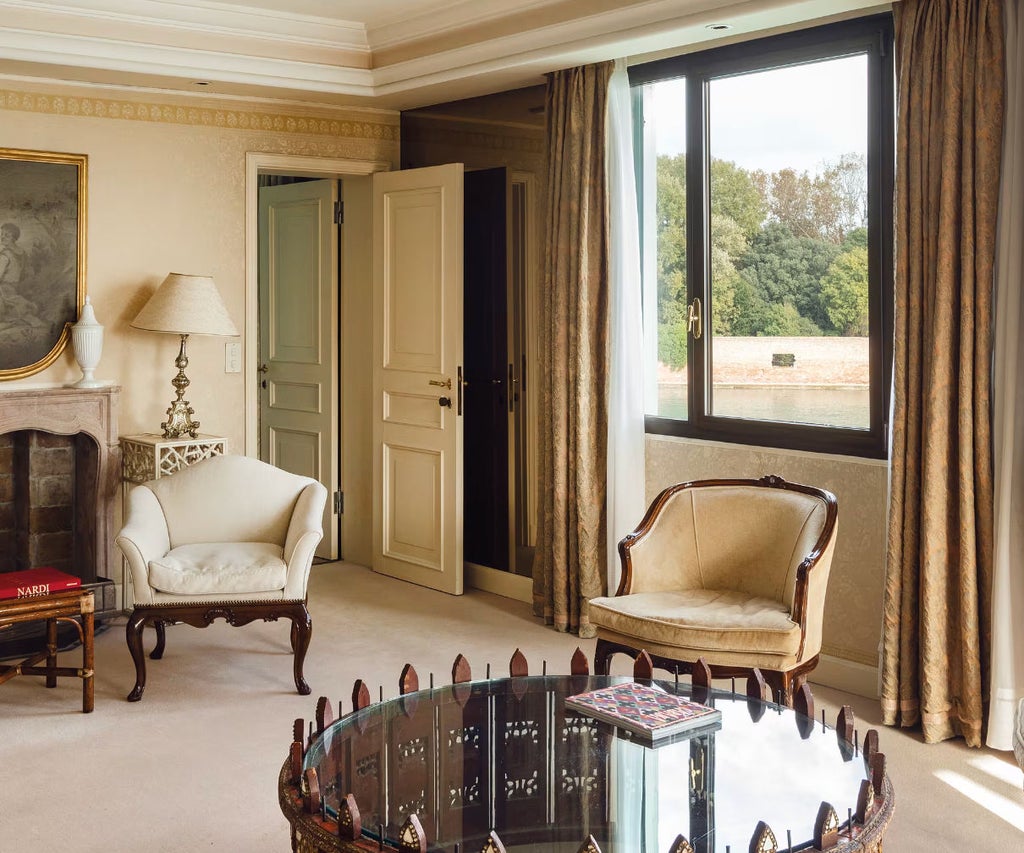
(48, 488)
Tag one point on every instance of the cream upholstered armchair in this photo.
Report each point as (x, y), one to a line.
(229, 537)
(732, 571)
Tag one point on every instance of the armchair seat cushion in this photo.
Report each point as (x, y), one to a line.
(222, 568)
(700, 620)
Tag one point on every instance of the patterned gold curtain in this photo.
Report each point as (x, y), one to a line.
(570, 562)
(937, 625)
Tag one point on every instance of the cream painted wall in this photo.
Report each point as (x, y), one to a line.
(853, 621)
(166, 192)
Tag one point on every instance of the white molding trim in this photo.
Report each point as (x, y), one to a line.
(223, 18)
(498, 582)
(437, 22)
(179, 62)
(284, 164)
(272, 50)
(847, 675)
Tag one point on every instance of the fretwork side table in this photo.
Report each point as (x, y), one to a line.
(149, 457)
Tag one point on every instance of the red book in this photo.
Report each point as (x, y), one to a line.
(40, 581)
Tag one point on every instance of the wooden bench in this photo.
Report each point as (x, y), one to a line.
(54, 607)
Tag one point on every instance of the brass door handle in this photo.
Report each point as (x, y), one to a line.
(447, 383)
(693, 318)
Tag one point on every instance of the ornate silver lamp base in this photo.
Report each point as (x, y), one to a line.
(179, 414)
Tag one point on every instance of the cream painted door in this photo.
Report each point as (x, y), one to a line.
(298, 284)
(417, 372)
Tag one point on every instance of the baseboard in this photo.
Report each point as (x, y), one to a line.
(850, 676)
(500, 583)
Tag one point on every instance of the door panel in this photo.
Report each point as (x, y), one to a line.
(417, 422)
(414, 493)
(298, 281)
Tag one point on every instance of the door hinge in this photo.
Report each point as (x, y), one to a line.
(339, 503)
(339, 213)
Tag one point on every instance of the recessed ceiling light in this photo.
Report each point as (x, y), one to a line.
(718, 27)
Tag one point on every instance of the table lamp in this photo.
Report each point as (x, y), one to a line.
(184, 305)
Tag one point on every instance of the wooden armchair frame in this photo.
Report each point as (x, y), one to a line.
(784, 682)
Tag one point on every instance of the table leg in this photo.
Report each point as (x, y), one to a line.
(51, 651)
(88, 682)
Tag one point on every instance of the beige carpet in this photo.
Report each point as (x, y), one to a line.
(194, 765)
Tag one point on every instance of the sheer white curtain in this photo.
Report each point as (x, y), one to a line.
(1007, 668)
(626, 492)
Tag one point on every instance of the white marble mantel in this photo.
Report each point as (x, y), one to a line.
(64, 410)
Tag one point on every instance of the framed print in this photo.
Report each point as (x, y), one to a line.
(42, 256)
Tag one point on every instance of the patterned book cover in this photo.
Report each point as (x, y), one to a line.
(644, 709)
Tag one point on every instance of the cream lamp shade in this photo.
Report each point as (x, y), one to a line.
(184, 305)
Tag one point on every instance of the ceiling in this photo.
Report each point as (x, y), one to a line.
(393, 54)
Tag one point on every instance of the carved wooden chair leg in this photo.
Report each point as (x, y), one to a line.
(790, 684)
(302, 633)
(133, 633)
(603, 657)
(51, 651)
(293, 635)
(161, 639)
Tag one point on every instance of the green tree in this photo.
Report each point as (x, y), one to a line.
(671, 259)
(826, 205)
(735, 195)
(782, 268)
(783, 320)
(844, 292)
(728, 245)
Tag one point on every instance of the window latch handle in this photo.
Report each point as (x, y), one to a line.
(693, 318)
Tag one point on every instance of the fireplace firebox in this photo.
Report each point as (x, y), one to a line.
(59, 474)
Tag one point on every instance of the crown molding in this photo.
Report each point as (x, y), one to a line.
(168, 61)
(160, 18)
(462, 49)
(466, 14)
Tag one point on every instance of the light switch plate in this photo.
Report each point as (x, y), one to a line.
(233, 357)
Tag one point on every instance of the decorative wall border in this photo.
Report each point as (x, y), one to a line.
(202, 116)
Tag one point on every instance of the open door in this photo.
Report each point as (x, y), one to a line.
(417, 375)
(489, 372)
(298, 297)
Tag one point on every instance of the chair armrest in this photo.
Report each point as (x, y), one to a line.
(304, 533)
(809, 596)
(144, 537)
(661, 553)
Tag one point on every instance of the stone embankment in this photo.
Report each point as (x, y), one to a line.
(822, 362)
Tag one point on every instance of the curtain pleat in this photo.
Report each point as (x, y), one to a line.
(936, 618)
(627, 496)
(1007, 688)
(573, 411)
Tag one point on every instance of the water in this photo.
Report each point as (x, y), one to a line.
(839, 407)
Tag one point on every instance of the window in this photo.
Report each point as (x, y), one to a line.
(765, 177)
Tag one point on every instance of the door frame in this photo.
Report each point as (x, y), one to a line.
(289, 164)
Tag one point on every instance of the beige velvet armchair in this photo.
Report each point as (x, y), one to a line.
(229, 537)
(732, 571)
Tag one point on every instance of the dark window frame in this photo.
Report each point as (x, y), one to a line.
(874, 37)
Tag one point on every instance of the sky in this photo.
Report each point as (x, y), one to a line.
(799, 117)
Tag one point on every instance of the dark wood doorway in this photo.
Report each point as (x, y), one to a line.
(487, 400)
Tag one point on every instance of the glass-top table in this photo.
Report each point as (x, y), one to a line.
(506, 755)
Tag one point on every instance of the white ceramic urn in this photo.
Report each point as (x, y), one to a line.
(87, 340)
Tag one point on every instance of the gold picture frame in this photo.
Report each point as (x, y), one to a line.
(42, 256)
